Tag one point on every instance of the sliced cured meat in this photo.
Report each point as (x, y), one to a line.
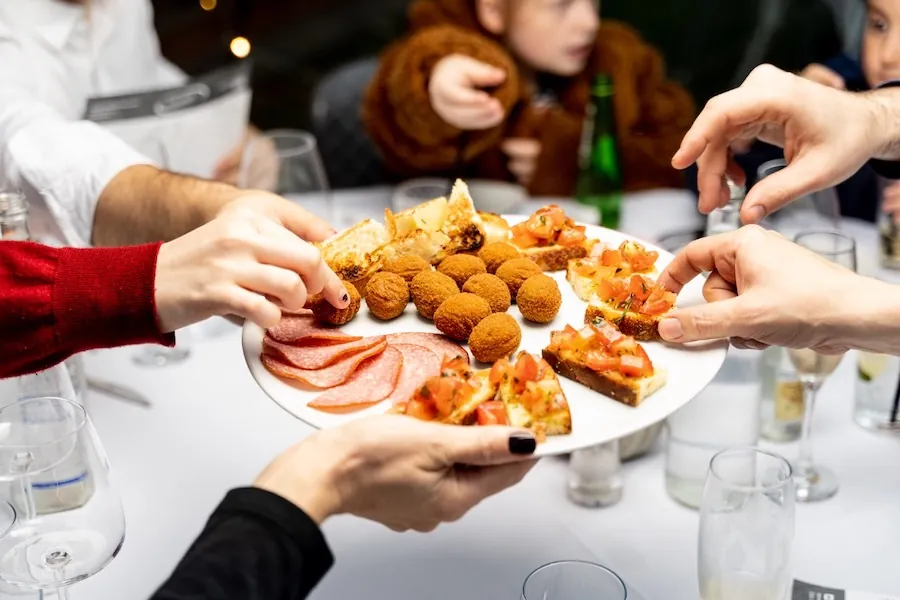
(330, 376)
(317, 354)
(293, 329)
(419, 364)
(372, 382)
(438, 344)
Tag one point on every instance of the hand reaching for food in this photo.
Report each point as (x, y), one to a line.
(241, 264)
(457, 94)
(523, 154)
(823, 75)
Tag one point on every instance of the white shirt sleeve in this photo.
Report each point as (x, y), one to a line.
(67, 163)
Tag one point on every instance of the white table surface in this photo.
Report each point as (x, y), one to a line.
(211, 429)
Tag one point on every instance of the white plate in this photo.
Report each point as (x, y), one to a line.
(595, 418)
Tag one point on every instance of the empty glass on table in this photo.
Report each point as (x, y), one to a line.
(746, 527)
(573, 580)
(69, 520)
(287, 162)
(814, 482)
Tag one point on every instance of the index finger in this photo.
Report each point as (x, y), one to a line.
(697, 257)
(718, 123)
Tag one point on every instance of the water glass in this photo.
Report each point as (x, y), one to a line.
(818, 210)
(70, 523)
(876, 392)
(595, 475)
(746, 527)
(573, 580)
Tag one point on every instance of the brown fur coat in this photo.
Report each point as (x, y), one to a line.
(652, 113)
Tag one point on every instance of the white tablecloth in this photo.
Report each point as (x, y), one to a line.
(211, 429)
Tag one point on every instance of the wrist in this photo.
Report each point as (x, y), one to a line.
(307, 477)
(869, 318)
(884, 110)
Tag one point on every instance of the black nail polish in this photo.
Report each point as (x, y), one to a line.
(522, 443)
(345, 297)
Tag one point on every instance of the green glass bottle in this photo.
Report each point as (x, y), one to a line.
(600, 171)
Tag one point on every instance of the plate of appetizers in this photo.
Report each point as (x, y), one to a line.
(476, 319)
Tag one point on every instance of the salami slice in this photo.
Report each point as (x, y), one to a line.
(438, 344)
(293, 329)
(317, 354)
(372, 382)
(419, 365)
(330, 376)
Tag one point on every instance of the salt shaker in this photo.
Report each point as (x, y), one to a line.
(595, 475)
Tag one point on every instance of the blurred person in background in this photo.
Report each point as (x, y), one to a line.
(498, 89)
(879, 63)
(54, 56)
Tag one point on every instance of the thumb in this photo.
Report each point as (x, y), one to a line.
(800, 177)
(481, 74)
(486, 445)
(303, 223)
(709, 321)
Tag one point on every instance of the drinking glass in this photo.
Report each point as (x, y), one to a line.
(814, 482)
(414, 192)
(746, 527)
(573, 580)
(70, 523)
(155, 355)
(287, 162)
(818, 210)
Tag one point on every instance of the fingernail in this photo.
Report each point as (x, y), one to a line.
(757, 214)
(522, 443)
(670, 329)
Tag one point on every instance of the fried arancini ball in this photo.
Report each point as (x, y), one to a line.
(491, 288)
(496, 254)
(539, 299)
(387, 295)
(429, 289)
(458, 315)
(514, 273)
(324, 312)
(407, 267)
(496, 337)
(460, 267)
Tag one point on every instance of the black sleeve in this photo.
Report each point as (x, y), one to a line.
(255, 545)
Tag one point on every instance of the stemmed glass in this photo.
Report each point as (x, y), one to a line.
(814, 482)
(70, 523)
(573, 580)
(746, 527)
(287, 163)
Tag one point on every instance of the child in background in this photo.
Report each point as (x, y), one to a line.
(498, 89)
(880, 63)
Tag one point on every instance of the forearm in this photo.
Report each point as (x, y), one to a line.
(884, 107)
(143, 204)
(869, 317)
(255, 545)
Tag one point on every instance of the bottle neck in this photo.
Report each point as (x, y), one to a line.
(14, 217)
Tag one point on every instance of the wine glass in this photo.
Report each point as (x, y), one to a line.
(817, 210)
(287, 162)
(156, 355)
(814, 482)
(573, 580)
(746, 527)
(70, 523)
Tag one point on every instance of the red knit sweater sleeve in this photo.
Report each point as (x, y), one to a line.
(55, 302)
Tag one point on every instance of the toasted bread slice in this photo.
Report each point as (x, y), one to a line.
(356, 253)
(556, 258)
(627, 390)
(556, 418)
(466, 413)
(644, 328)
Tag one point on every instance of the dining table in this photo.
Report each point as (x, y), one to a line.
(210, 428)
